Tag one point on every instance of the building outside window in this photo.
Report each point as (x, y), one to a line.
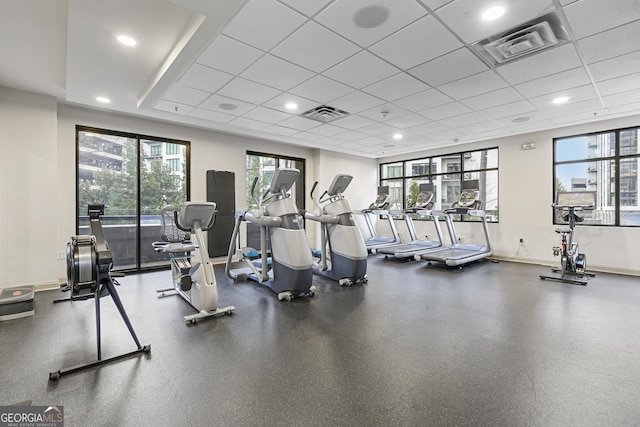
(605, 163)
(130, 176)
(446, 172)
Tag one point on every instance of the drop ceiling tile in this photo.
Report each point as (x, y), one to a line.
(277, 73)
(575, 94)
(622, 98)
(492, 99)
(267, 115)
(384, 112)
(533, 116)
(356, 102)
(279, 103)
(377, 129)
(185, 95)
(532, 127)
(475, 128)
(463, 119)
(609, 14)
(229, 55)
(587, 106)
(371, 141)
(361, 70)
(408, 120)
(518, 107)
(248, 123)
(543, 64)
(213, 116)
(248, 91)
(204, 78)
(423, 100)
(351, 136)
(340, 17)
(416, 44)
(307, 7)
(353, 122)
(449, 67)
(306, 136)
(327, 130)
(275, 22)
(578, 117)
(395, 87)
(555, 83)
(463, 16)
(445, 135)
(626, 108)
(321, 89)
(280, 130)
(474, 85)
(609, 44)
(616, 67)
(428, 128)
(315, 48)
(173, 107)
(619, 84)
(225, 105)
(446, 110)
(300, 123)
(435, 4)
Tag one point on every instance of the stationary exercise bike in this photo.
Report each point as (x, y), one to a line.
(193, 276)
(343, 255)
(89, 263)
(572, 262)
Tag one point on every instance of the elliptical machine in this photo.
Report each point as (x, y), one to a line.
(572, 262)
(343, 255)
(193, 276)
(89, 262)
(288, 271)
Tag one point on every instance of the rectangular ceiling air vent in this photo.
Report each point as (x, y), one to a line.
(531, 37)
(324, 114)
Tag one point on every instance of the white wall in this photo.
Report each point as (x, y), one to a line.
(28, 188)
(525, 197)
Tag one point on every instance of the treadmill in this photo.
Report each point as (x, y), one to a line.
(422, 207)
(459, 254)
(379, 207)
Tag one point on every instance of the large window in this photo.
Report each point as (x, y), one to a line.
(263, 166)
(605, 163)
(446, 172)
(131, 176)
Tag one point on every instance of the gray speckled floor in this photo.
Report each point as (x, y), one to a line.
(490, 346)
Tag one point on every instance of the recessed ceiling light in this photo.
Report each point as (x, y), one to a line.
(127, 40)
(103, 99)
(560, 100)
(370, 17)
(397, 136)
(291, 106)
(492, 13)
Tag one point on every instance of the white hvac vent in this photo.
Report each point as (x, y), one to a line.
(529, 38)
(324, 114)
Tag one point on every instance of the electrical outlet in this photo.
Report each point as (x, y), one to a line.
(60, 255)
(524, 242)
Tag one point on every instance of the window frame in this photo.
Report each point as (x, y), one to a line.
(139, 139)
(616, 158)
(407, 175)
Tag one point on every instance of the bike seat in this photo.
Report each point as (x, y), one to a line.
(563, 230)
